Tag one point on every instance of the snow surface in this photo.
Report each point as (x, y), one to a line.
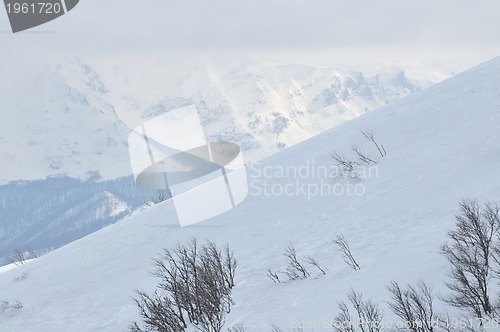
(442, 146)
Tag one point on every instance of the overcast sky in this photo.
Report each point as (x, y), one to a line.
(454, 33)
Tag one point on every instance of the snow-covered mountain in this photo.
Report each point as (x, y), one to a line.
(59, 122)
(49, 213)
(74, 116)
(442, 146)
(262, 105)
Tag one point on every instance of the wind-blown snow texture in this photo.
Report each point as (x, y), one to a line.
(442, 145)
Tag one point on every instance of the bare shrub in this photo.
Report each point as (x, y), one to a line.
(315, 263)
(15, 304)
(237, 328)
(346, 166)
(195, 287)
(159, 313)
(346, 253)
(415, 306)
(4, 304)
(31, 252)
(473, 254)
(350, 167)
(159, 196)
(273, 276)
(17, 257)
(368, 315)
(368, 134)
(362, 156)
(295, 269)
(276, 328)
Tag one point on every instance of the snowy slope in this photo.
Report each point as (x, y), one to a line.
(442, 145)
(73, 116)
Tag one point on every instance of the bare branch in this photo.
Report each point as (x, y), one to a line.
(17, 257)
(369, 316)
(415, 306)
(368, 134)
(474, 258)
(362, 157)
(295, 270)
(273, 276)
(313, 262)
(31, 252)
(195, 286)
(345, 250)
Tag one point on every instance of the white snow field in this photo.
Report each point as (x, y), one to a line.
(442, 146)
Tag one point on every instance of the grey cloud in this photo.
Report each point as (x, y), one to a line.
(259, 24)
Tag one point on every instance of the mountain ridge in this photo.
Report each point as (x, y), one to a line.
(262, 107)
